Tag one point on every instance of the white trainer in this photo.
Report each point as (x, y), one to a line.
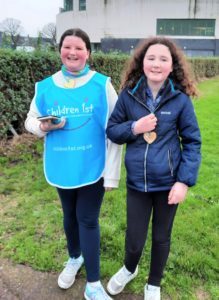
(118, 281)
(67, 276)
(96, 293)
(151, 292)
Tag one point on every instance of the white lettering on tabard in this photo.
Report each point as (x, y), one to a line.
(87, 109)
(73, 148)
(73, 111)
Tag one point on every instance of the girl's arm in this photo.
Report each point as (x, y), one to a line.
(32, 124)
(37, 127)
(114, 151)
(191, 145)
(119, 129)
(191, 154)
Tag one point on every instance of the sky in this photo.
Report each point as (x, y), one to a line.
(33, 14)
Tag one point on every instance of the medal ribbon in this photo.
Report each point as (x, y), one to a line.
(80, 73)
(70, 76)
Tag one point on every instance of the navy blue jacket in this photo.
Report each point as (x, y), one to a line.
(174, 155)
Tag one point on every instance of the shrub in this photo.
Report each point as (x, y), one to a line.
(20, 70)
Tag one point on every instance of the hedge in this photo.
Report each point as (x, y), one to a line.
(19, 71)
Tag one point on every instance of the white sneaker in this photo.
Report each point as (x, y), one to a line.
(67, 277)
(120, 279)
(96, 293)
(151, 292)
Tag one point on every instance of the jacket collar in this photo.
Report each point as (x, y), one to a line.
(167, 90)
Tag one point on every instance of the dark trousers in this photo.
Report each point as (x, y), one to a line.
(140, 207)
(81, 208)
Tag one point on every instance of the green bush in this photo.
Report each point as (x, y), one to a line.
(111, 65)
(20, 70)
(18, 74)
(205, 67)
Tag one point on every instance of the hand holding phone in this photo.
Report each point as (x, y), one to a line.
(51, 122)
(49, 117)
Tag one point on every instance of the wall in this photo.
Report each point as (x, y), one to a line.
(91, 20)
(192, 47)
(129, 19)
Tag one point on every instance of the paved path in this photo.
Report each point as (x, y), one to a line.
(23, 283)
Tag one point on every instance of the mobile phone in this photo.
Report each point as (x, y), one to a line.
(49, 117)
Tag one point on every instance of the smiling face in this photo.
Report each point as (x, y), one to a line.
(157, 64)
(74, 53)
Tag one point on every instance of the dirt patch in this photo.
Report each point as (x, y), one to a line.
(18, 145)
(22, 282)
(202, 295)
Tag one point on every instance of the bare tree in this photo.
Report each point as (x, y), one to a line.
(12, 28)
(49, 31)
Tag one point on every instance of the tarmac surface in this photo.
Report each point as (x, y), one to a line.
(23, 283)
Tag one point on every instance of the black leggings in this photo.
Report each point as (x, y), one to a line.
(81, 208)
(140, 206)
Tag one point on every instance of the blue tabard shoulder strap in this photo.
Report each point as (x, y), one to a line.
(74, 156)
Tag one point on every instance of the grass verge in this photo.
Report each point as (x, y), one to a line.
(31, 217)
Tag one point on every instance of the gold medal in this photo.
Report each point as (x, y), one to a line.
(69, 84)
(150, 136)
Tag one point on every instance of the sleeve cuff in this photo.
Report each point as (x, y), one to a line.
(112, 183)
(132, 128)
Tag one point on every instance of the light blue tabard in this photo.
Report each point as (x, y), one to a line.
(74, 155)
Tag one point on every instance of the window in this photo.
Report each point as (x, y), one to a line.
(82, 4)
(189, 27)
(199, 53)
(95, 47)
(68, 5)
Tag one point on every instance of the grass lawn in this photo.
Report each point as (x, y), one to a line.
(31, 218)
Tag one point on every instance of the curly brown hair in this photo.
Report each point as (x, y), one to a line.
(181, 74)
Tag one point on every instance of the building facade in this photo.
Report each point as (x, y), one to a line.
(120, 24)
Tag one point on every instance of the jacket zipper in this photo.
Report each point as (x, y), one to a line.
(145, 168)
(146, 151)
(147, 146)
(139, 101)
(170, 162)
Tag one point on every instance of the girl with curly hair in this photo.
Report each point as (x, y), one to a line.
(155, 117)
